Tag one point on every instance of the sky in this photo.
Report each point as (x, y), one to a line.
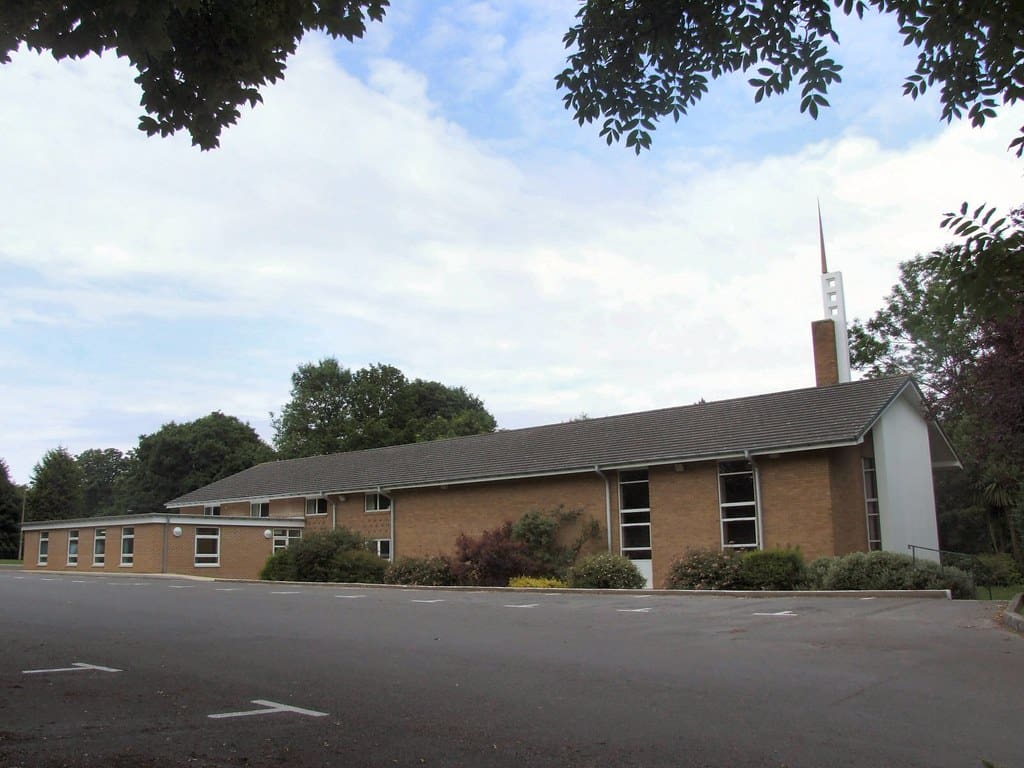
(422, 198)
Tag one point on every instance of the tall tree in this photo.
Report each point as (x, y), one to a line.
(198, 62)
(636, 61)
(10, 512)
(101, 470)
(953, 321)
(334, 409)
(56, 491)
(179, 458)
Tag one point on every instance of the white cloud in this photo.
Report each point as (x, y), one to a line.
(358, 220)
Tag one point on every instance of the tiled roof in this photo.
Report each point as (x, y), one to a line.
(780, 421)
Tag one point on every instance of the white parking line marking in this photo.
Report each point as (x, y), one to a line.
(633, 610)
(641, 597)
(75, 667)
(286, 593)
(350, 597)
(526, 605)
(49, 578)
(426, 601)
(869, 598)
(180, 586)
(78, 581)
(229, 589)
(271, 707)
(779, 613)
(129, 584)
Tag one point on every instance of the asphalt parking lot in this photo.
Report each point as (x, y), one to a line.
(123, 671)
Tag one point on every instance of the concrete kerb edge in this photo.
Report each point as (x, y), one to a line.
(940, 594)
(126, 574)
(1012, 616)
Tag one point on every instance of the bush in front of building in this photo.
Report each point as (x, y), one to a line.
(313, 557)
(889, 570)
(996, 570)
(705, 569)
(606, 571)
(421, 571)
(537, 582)
(772, 569)
(494, 557)
(357, 566)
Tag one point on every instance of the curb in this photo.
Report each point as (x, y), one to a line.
(1012, 617)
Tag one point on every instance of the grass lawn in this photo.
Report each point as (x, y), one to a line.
(11, 562)
(1000, 593)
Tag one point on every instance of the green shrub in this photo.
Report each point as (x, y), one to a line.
(311, 558)
(606, 571)
(704, 569)
(1002, 570)
(494, 557)
(536, 582)
(772, 569)
(279, 567)
(818, 572)
(888, 570)
(420, 571)
(357, 566)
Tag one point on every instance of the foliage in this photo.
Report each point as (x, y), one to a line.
(101, 471)
(535, 582)
(634, 63)
(772, 569)
(606, 571)
(705, 569)
(55, 491)
(10, 513)
(999, 570)
(198, 62)
(333, 409)
(494, 557)
(359, 566)
(956, 321)
(421, 571)
(179, 458)
(541, 531)
(888, 570)
(317, 557)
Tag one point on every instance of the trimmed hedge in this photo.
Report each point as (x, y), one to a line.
(772, 569)
(339, 555)
(606, 571)
(705, 569)
(888, 570)
(421, 571)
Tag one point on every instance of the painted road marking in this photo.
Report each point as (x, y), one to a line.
(633, 610)
(129, 584)
(180, 586)
(269, 708)
(350, 597)
(426, 601)
(869, 598)
(78, 581)
(49, 578)
(286, 593)
(779, 613)
(75, 667)
(229, 589)
(526, 605)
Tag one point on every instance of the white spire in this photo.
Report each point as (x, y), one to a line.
(834, 304)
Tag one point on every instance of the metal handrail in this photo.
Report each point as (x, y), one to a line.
(913, 553)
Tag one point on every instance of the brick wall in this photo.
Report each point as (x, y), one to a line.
(849, 515)
(796, 503)
(684, 513)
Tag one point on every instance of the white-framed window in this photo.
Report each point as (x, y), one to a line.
(211, 510)
(207, 547)
(737, 496)
(382, 547)
(871, 504)
(99, 547)
(378, 502)
(127, 546)
(316, 506)
(73, 547)
(44, 547)
(259, 509)
(285, 537)
(635, 514)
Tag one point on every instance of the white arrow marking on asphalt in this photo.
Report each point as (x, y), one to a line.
(633, 610)
(426, 601)
(350, 597)
(75, 667)
(271, 707)
(779, 613)
(525, 605)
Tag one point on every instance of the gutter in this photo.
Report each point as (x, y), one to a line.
(607, 505)
(757, 497)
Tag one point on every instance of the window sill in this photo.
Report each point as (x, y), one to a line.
(206, 565)
(126, 565)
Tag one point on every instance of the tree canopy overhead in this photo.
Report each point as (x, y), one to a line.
(334, 409)
(198, 60)
(636, 61)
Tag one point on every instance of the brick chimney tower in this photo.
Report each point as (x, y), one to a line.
(831, 344)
